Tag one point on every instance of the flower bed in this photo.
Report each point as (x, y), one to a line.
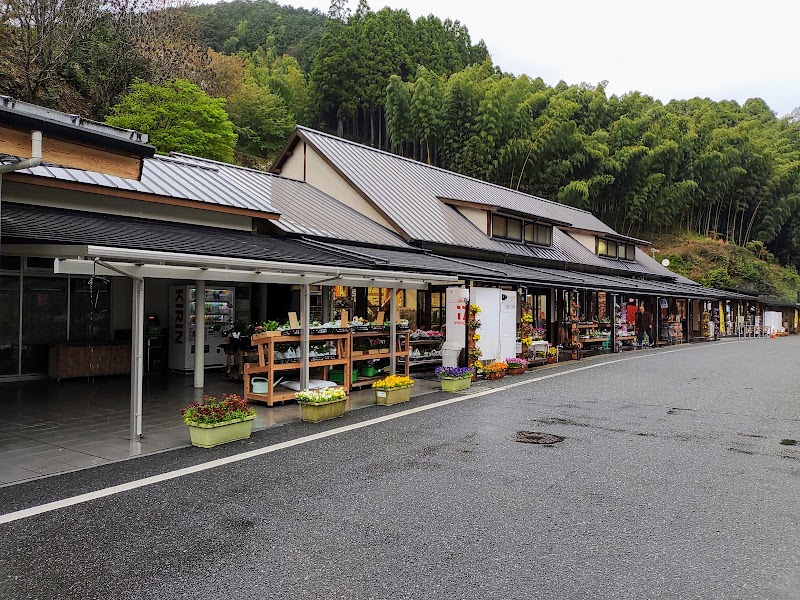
(495, 370)
(516, 366)
(393, 390)
(213, 422)
(321, 405)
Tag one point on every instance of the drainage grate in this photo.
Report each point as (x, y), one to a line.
(536, 437)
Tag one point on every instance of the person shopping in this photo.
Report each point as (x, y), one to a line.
(644, 324)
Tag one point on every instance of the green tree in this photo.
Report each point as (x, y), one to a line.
(260, 120)
(178, 116)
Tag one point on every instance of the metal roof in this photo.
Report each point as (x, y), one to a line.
(409, 193)
(37, 224)
(418, 260)
(33, 117)
(304, 209)
(164, 176)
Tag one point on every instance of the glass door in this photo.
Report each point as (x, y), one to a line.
(9, 325)
(44, 320)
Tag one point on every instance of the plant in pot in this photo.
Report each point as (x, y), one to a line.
(218, 421)
(322, 404)
(393, 390)
(552, 354)
(516, 366)
(495, 370)
(454, 379)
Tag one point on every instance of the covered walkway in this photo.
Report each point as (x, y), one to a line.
(53, 427)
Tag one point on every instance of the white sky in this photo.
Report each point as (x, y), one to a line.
(676, 49)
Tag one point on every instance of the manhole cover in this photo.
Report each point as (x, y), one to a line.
(536, 437)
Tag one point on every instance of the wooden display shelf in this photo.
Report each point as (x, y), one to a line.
(265, 345)
(595, 340)
(423, 361)
(402, 349)
(585, 325)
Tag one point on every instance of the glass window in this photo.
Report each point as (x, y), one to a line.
(514, 229)
(544, 235)
(499, 226)
(530, 235)
(630, 252)
(609, 248)
(506, 228)
(39, 264)
(10, 263)
(44, 319)
(90, 310)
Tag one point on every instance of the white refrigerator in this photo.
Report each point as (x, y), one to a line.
(219, 316)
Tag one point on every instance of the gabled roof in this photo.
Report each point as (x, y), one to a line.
(409, 193)
(304, 210)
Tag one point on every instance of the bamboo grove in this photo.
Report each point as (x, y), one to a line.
(423, 89)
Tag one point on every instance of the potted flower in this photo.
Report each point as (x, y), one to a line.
(214, 422)
(454, 379)
(495, 370)
(516, 366)
(552, 354)
(393, 390)
(321, 405)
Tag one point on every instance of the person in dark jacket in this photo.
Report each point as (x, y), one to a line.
(644, 324)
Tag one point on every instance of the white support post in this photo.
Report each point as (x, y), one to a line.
(393, 332)
(199, 334)
(137, 358)
(305, 323)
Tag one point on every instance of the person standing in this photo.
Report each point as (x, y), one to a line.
(644, 324)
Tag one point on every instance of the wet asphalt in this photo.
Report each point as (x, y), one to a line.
(671, 482)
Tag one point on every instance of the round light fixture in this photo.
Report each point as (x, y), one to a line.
(665, 262)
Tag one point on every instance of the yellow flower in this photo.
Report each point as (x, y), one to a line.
(392, 382)
(478, 365)
(476, 337)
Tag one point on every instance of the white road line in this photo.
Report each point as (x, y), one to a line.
(139, 483)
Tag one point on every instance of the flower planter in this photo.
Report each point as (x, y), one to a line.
(314, 413)
(208, 436)
(551, 360)
(393, 396)
(452, 384)
(496, 375)
(515, 370)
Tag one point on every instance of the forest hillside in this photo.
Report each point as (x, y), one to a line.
(423, 88)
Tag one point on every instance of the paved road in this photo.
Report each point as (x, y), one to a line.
(671, 483)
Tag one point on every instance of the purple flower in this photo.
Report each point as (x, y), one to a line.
(453, 372)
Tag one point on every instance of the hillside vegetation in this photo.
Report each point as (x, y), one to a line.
(421, 88)
(720, 264)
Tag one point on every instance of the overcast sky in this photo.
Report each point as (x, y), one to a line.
(677, 49)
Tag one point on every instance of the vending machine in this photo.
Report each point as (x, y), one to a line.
(219, 316)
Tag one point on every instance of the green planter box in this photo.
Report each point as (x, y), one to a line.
(450, 384)
(208, 436)
(394, 396)
(314, 413)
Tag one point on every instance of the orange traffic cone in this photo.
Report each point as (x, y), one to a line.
(774, 335)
